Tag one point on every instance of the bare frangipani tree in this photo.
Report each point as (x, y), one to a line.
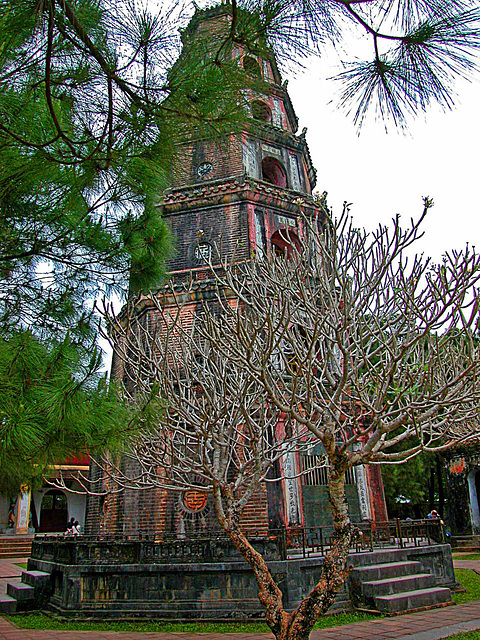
(218, 431)
(347, 340)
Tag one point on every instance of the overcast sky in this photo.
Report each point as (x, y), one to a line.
(387, 173)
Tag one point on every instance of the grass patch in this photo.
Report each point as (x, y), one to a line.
(471, 581)
(468, 556)
(340, 619)
(22, 565)
(42, 621)
(469, 635)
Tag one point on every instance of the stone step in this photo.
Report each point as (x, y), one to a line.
(14, 547)
(385, 571)
(397, 585)
(36, 578)
(412, 599)
(466, 541)
(7, 603)
(11, 542)
(20, 591)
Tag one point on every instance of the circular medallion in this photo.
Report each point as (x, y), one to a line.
(195, 500)
(204, 169)
(203, 252)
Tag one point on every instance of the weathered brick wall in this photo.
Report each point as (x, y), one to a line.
(225, 156)
(221, 226)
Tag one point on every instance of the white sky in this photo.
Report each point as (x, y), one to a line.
(383, 174)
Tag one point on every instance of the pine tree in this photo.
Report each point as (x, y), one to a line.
(90, 118)
(54, 404)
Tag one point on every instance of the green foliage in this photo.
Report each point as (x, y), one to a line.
(408, 480)
(89, 127)
(418, 48)
(53, 405)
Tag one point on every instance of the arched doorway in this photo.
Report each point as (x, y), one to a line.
(53, 512)
(473, 483)
(477, 488)
(251, 66)
(273, 172)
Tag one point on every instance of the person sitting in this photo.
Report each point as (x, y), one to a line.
(434, 515)
(70, 525)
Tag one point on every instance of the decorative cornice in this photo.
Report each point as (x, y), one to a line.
(236, 189)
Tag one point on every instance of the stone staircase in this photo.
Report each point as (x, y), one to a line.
(12, 547)
(32, 592)
(396, 587)
(467, 544)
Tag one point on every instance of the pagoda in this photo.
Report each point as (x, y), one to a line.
(247, 191)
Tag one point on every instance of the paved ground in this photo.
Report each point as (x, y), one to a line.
(9, 567)
(460, 563)
(9, 571)
(425, 625)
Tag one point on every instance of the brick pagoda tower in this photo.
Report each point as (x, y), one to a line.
(245, 191)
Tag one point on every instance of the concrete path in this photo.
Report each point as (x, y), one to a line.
(424, 625)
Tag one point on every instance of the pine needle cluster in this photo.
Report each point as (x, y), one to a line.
(55, 405)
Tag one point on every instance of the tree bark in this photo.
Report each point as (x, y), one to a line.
(299, 624)
(334, 570)
(269, 594)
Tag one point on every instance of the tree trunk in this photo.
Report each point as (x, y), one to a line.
(334, 569)
(299, 624)
(269, 595)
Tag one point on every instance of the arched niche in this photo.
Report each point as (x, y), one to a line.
(251, 66)
(274, 172)
(285, 242)
(261, 111)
